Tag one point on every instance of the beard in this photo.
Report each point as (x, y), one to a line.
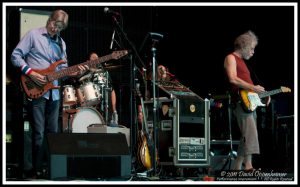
(246, 55)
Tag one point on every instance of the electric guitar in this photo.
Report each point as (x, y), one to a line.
(35, 90)
(251, 100)
(143, 150)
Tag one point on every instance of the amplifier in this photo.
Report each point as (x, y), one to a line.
(88, 156)
(100, 128)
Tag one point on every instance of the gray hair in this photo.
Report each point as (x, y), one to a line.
(61, 16)
(245, 40)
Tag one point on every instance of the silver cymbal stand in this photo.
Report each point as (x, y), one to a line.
(106, 89)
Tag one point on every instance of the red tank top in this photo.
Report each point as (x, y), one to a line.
(242, 73)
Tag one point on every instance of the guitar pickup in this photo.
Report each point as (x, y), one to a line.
(29, 85)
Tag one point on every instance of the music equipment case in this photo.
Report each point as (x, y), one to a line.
(183, 130)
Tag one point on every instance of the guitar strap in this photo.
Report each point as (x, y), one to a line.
(253, 73)
(57, 53)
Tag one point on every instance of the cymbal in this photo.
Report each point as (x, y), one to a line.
(98, 70)
(113, 67)
(87, 76)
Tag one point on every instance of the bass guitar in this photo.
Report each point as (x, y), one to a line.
(34, 90)
(251, 100)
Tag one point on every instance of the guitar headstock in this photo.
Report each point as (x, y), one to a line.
(285, 89)
(118, 54)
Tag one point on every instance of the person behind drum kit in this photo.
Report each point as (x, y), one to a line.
(113, 98)
(38, 49)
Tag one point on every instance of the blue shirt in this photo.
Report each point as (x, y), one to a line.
(38, 50)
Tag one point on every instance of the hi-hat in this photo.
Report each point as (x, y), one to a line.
(97, 70)
(83, 78)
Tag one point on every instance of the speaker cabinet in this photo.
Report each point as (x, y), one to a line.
(285, 142)
(88, 156)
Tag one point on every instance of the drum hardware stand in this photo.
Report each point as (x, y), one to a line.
(232, 154)
(70, 112)
(106, 89)
(102, 87)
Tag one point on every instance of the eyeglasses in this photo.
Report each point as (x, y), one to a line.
(59, 25)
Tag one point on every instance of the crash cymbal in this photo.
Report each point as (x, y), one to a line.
(113, 67)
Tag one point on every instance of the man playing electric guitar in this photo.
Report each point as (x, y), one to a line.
(239, 78)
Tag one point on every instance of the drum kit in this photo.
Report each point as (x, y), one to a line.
(80, 103)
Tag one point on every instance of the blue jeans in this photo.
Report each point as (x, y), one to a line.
(44, 115)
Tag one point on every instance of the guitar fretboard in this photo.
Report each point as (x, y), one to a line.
(65, 72)
(269, 93)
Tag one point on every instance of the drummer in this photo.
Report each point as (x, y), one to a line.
(113, 99)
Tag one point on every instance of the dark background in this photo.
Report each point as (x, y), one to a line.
(195, 41)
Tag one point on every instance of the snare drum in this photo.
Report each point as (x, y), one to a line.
(85, 117)
(69, 95)
(91, 94)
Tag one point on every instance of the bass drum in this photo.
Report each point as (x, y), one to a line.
(85, 117)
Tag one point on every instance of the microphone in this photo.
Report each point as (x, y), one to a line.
(109, 11)
(112, 40)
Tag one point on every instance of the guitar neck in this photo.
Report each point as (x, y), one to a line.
(269, 93)
(145, 128)
(68, 71)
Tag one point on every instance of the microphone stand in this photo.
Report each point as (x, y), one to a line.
(133, 123)
(155, 39)
(112, 40)
(129, 41)
(154, 68)
(231, 154)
